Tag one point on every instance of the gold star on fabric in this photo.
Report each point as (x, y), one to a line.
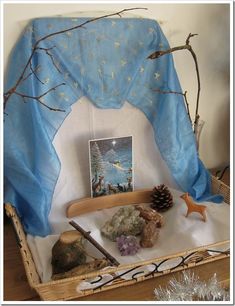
(64, 45)
(129, 79)
(82, 71)
(134, 51)
(116, 93)
(141, 69)
(46, 81)
(157, 75)
(49, 26)
(91, 55)
(61, 95)
(117, 44)
(66, 75)
(133, 94)
(29, 29)
(100, 38)
(104, 87)
(123, 62)
(92, 31)
(147, 85)
(38, 68)
(77, 58)
(100, 71)
(151, 30)
(112, 75)
(69, 34)
(150, 101)
(113, 23)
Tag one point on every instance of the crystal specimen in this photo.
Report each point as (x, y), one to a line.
(149, 235)
(126, 221)
(127, 245)
(150, 214)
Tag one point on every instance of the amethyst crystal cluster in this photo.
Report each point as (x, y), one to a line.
(127, 245)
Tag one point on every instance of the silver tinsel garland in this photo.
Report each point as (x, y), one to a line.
(188, 287)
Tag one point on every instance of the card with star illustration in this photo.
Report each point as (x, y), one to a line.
(111, 165)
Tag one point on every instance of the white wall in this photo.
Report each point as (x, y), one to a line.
(210, 21)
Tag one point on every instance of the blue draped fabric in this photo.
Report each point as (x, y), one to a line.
(107, 62)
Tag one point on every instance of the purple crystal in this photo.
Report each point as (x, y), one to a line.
(127, 245)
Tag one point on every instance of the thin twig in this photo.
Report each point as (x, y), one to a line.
(8, 94)
(34, 72)
(177, 93)
(27, 76)
(187, 105)
(188, 47)
(38, 98)
(51, 57)
(188, 38)
(95, 243)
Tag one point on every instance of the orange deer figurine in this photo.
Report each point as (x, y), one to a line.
(192, 207)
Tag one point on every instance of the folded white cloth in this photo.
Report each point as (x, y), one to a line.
(178, 234)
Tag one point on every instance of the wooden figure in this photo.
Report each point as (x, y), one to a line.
(193, 207)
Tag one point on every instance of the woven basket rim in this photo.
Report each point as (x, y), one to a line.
(36, 283)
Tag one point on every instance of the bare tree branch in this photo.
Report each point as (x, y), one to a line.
(177, 93)
(189, 36)
(188, 47)
(39, 98)
(34, 72)
(87, 235)
(27, 76)
(51, 56)
(22, 77)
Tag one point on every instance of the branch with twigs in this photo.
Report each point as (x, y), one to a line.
(23, 77)
(39, 98)
(188, 47)
(50, 56)
(33, 71)
(184, 94)
(87, 235)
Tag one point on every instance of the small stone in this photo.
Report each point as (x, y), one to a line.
(127, 245)
(150, 214)
(149, 235)
(126, 221)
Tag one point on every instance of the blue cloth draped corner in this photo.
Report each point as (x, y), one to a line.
(107, 62)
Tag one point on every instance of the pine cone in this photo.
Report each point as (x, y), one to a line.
(162, 199)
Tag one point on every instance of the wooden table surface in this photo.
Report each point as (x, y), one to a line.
(16, 287)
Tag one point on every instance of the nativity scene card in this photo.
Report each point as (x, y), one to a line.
(111, 169)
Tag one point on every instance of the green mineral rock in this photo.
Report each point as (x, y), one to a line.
(126, 221)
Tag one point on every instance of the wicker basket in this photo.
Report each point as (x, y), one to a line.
(70, 288)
